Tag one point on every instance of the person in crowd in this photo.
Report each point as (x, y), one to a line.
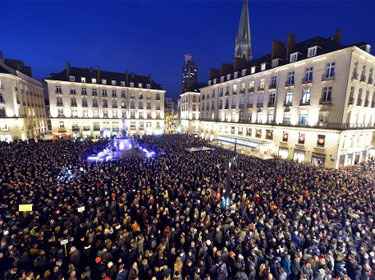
(181, 215)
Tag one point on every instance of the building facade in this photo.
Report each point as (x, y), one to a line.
(189, 111)
(22, 109)
(311, 102)
(92, 102)
(189, 74)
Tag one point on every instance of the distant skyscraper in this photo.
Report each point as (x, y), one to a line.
(243, 48)
(189, 74)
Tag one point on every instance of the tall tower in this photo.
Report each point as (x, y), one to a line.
(243, 50)
(189, 74)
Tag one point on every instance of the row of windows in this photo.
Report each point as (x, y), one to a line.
(104, 93)
(104, 82)
(326, 98)
(365, 76)
(360, 99)
(308, 77)
(257, 133)
(105, 104)
(107, 114)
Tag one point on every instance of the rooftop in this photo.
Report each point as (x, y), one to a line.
(120, 78)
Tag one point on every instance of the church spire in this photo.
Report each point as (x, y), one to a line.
(243, 40)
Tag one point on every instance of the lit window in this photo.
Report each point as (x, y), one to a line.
(301, 138)
(83, 79)
(321, 140)
(252, 69)
(93, 80)
(312, 51)
(263, 66)
(113, 82)
(104, 81)
(72, 78)
(294, 57)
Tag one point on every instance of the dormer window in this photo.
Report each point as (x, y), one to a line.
(104, 81)
(209, 82)
(222, 79)
(294, 57)
(236, 75)
(131, 84)
(214, 81)
(275, 62)
(228, 77)
(140, 85)
(93, 80)
(83, 79)
(113, 82)
(263, 66)
(243, 73)
(252, 69)
(72, 78)
(312, 51)
(122, 83)
(148, 85)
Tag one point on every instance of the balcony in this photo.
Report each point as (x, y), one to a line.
(272, 86)
(260, 105)
(307, 81)
(260, 88)
(351, 101)
(242, 91)
(326, 77)
(325, 102)
(304, 103)
(359, 102)
(363, 78)
(271, 104)
(251, 90)
(289, 84)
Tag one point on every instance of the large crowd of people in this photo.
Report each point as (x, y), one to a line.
(181, 215)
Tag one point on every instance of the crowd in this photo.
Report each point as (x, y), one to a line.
(164, 217)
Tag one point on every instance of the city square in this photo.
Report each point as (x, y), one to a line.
(129, 162)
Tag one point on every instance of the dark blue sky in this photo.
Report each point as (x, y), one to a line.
(151, 36)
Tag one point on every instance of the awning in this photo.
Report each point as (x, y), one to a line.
(247, 142)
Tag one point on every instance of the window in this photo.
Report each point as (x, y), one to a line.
(1, 99)
(363, 73)
(359, 98)
(61, 124)
(312, 51)
(114, 103)
(94, 92)
(243, 72)
(286, 118)
(321, 141)
(306, 95)
(2, 112)
(262, 84)
(131, 84)
(290, 79)
(83, 79)
(104, 93)
(252, 69)
(93, 80)
(303, 119)
(351, 96)
(140, 105)
(272, 99)
(104, 81)
(105, 103)
(330, 70)
(251, 86)
(84, 102)
(326, 95)
(370, 76)
(269, 134)
(248, 131)
(294, 57)
(60, 112)
(157, 96)
(113, 82)
(83, 91)
(289, 98)
(73, 102)
(94, 103)
(367, 99)
(234, 90)
(258, 133)
(58, 89)
(72, 78)
(72, 91)
(140, 85)
(148, 85)
(263, 66)
(285, 136)
(114, 93)
(59, 102)
(273, 83)
(270, 117)
(308, 75)
(301, 138)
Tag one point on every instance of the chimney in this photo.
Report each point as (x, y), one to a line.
(278, 49)
(337, 37)
(291, 44)
(214, 73)
(67, 69)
